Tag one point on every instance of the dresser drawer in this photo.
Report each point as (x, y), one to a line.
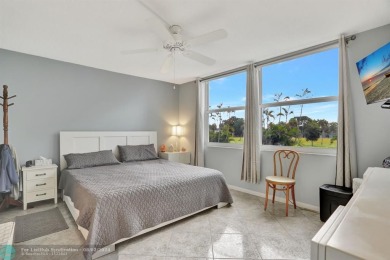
(41, 174)
(40, 184)
(40, 195)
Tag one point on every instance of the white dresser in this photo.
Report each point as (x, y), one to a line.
(360, 230)
(181, 157)
(39, 183)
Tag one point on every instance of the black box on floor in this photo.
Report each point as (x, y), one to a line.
(332, 196)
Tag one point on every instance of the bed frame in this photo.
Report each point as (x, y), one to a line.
(83, 142)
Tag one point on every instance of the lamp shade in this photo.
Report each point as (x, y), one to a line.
(177, 130)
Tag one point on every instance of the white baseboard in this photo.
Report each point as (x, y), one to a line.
(278, 199)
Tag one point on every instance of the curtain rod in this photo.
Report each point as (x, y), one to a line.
(280, 57)
(218, 75)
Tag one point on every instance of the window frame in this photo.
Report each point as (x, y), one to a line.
(258, 66)
(292, 56)
(208, 111)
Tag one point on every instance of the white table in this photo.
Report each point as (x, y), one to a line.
(181, 157)
(360, 230)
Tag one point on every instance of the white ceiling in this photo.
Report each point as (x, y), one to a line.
(93, 32)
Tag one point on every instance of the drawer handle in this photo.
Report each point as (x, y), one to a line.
(42, 184)
(42, 174)
(42, 194)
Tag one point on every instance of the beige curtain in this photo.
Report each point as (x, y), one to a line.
(200, 120)
(346, 168)
(251, 155)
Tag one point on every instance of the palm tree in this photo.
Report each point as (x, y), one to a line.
(305, 92)
(324, 125)
(268, 115)
(217, 117)
(277, 98)
(287, 112)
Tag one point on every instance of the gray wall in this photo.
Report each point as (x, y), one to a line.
(187, 116)
(372, 126)
(54, 96)
(313, 171)
(372, 123)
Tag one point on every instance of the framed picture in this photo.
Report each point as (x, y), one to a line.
(374, 72)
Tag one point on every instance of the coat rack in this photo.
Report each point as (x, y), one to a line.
(7, 200)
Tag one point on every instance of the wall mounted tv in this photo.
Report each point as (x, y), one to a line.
(374, 72)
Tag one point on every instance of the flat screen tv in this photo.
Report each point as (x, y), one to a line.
(374, 72)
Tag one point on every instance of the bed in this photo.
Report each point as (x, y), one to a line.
(111, 204)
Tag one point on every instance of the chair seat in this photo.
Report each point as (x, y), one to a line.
(279, 180)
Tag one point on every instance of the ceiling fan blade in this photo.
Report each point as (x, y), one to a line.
(160, 29)
(159, 25)
(199, 57)
(167, 25)
(208, 37)
(146, 50)
(167, 65)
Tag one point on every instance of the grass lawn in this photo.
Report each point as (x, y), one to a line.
(236, 140)
(320, 143)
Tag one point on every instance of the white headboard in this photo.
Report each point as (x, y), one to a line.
(85, 142)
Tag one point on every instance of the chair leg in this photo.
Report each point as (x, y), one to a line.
(293, 196)
(287, 197)
(273, 195)
(266, 195)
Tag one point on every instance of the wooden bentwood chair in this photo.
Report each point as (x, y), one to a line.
(288, 160)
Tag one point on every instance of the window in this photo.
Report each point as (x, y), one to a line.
(226, 112)
(299, 100)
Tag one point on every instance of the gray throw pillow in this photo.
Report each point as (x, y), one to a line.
(132, 153)
(85, 160)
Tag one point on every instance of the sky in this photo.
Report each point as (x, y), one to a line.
(318, 72)
(374, 62)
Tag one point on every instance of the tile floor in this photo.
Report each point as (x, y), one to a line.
(241, 231)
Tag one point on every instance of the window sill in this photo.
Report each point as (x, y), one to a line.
(273, 148)
(301, 150)
(225, 145)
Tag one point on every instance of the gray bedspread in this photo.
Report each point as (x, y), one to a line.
(119, 201)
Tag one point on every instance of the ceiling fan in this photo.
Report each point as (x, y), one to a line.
(174, 43)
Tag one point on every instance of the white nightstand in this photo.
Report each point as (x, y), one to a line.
(181, 157)
(39, 183)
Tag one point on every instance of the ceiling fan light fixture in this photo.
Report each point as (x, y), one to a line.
(176, 46)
